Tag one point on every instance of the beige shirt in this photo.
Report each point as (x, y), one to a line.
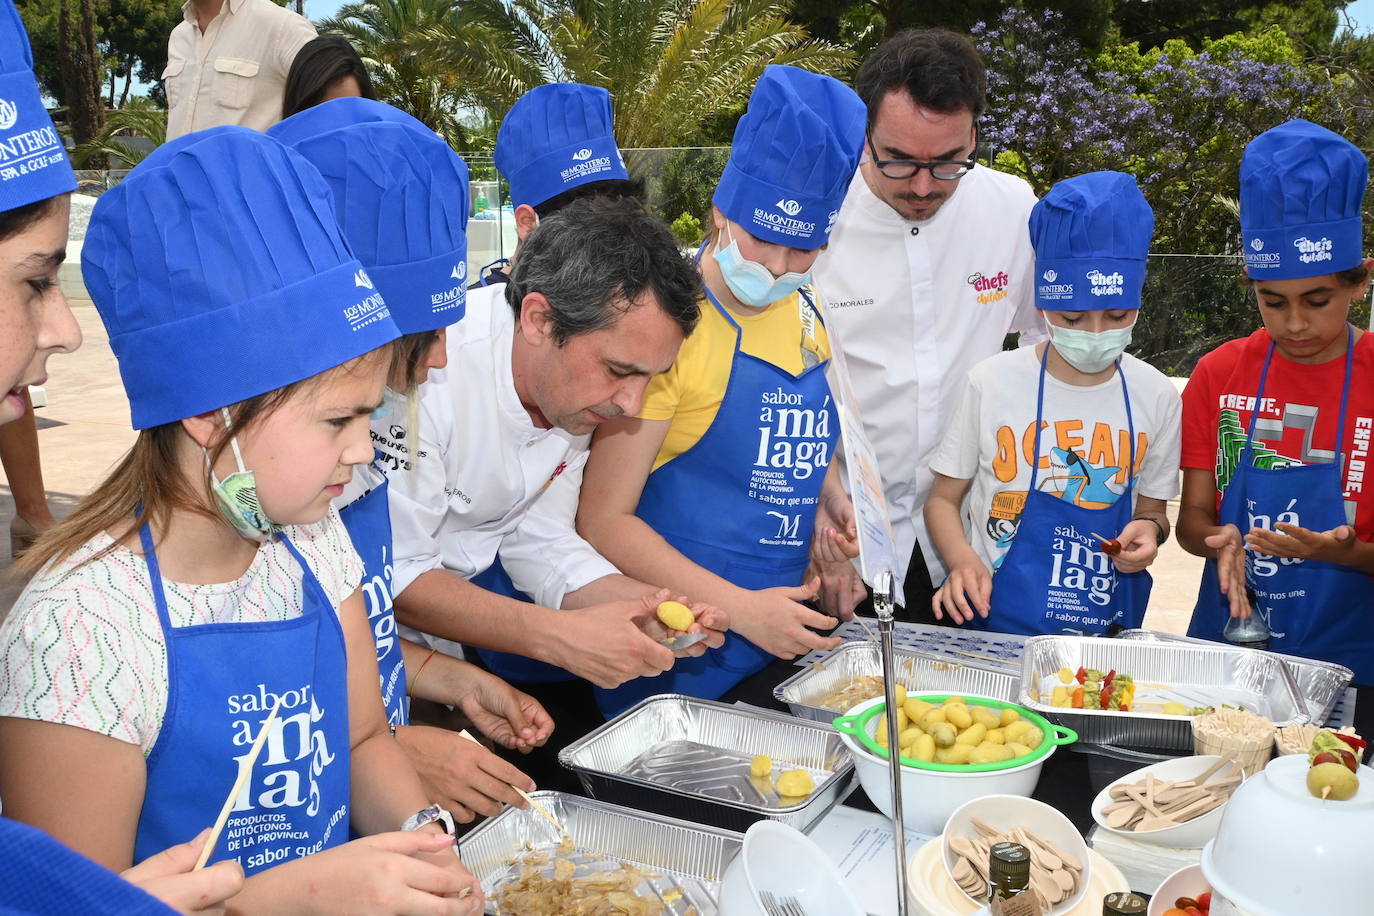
(235, 71)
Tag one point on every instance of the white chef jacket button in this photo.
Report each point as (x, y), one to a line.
(915, 230)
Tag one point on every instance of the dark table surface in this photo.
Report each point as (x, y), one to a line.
(1070, 779)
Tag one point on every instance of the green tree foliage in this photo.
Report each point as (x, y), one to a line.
(131, 38)
(129, 135)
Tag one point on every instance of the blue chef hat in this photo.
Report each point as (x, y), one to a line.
(556, 137)
(794, 153)
(1091, 235)
(1300, 192)
(33, 161)
(220, 272)
(402, 198)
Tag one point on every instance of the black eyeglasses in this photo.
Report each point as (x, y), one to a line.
(900, 169)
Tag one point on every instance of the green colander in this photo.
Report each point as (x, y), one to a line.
(857, 726)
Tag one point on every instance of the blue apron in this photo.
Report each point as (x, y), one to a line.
(222, 680)
(520, 669)
(1055, 578)
(1314, 609)
(491, 274)
(368, 521)
(741, 503)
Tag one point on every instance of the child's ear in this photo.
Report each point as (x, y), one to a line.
(205, 429)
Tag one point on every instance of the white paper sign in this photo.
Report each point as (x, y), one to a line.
(876, 551)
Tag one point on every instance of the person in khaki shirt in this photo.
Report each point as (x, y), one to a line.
(227, 64)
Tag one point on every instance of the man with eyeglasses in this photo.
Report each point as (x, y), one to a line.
(928, 269)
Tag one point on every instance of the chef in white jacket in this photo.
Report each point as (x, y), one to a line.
(928, 269)
(485, 487)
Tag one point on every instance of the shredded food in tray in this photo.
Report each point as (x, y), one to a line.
(543, 891)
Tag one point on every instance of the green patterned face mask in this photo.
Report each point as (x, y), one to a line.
(237, 496)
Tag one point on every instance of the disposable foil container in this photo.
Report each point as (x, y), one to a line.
(689, 758)
(804, 691)
(1195, 675)
(1320, 683)
(687, 860)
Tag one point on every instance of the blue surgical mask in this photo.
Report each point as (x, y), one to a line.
(1090, 351)
(237, 496)
(392, 403)
(751, 282)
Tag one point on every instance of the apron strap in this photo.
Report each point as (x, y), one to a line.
(145, 536)
(1040, 412)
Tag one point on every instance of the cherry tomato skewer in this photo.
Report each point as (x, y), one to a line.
(1110, 546)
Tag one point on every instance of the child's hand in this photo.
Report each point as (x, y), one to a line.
(968, 589)
(1139, 546)
(1230, 567)
(1334, 546)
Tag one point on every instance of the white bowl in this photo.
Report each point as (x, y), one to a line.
(930, 796)
(1188, 835)
(1279, 849)
(1186, 882)
(783, 861)
(1008, 811)
(932, 892)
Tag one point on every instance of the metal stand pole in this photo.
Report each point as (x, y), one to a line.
(882, 603)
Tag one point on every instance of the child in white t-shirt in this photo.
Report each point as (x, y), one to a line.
(1054, 547)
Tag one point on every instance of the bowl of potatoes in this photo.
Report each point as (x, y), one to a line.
(953, 749)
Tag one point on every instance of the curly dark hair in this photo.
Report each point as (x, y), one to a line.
(940, 69)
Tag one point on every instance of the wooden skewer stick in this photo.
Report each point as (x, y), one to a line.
(562, 831)
(245, 770)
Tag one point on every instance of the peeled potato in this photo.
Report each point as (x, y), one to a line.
(1016, 730)
(675, 615)
(923, 748)
(915, 708)
(957, 754)
(944, 734)
(954, 701)
(899, 691)
(1009, 716)
(932, 718)
(958, 716)
(996, 736)
(1033, 737)
(985, 717)
(973, 735)
(988, 752)
(761, 765)
(795, 783)
(908, 735)
(1017, 750)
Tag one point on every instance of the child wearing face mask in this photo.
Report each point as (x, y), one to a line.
(208, 582)
(718, 486)
(1051, 483)
(1277, 424)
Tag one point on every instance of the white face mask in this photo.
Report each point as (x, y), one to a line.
(1090, 351)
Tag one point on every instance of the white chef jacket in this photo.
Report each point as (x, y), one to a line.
(915, 305)
(487, 481)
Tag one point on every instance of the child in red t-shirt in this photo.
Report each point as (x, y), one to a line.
(1277, 425)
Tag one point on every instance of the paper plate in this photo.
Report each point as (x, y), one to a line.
(933, 893)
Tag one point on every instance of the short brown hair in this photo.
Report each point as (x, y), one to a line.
(940, 69)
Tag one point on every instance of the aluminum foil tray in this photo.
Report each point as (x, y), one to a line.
(992, 650)
(1314, 677)
(804, 691)
(1194, 675)
(688, 859)
(689, 758)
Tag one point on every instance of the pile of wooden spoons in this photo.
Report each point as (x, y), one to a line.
(1055, 875)
(1153, 804)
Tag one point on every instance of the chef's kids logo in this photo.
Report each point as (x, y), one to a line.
(1112, 284)
(790, 207)
(1049, 289)
(582, 155)
(9, 114)
(1310, 251)
(990, 287)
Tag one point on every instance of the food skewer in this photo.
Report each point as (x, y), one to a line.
(245, 770)
(562, 831)
(1110, 546)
